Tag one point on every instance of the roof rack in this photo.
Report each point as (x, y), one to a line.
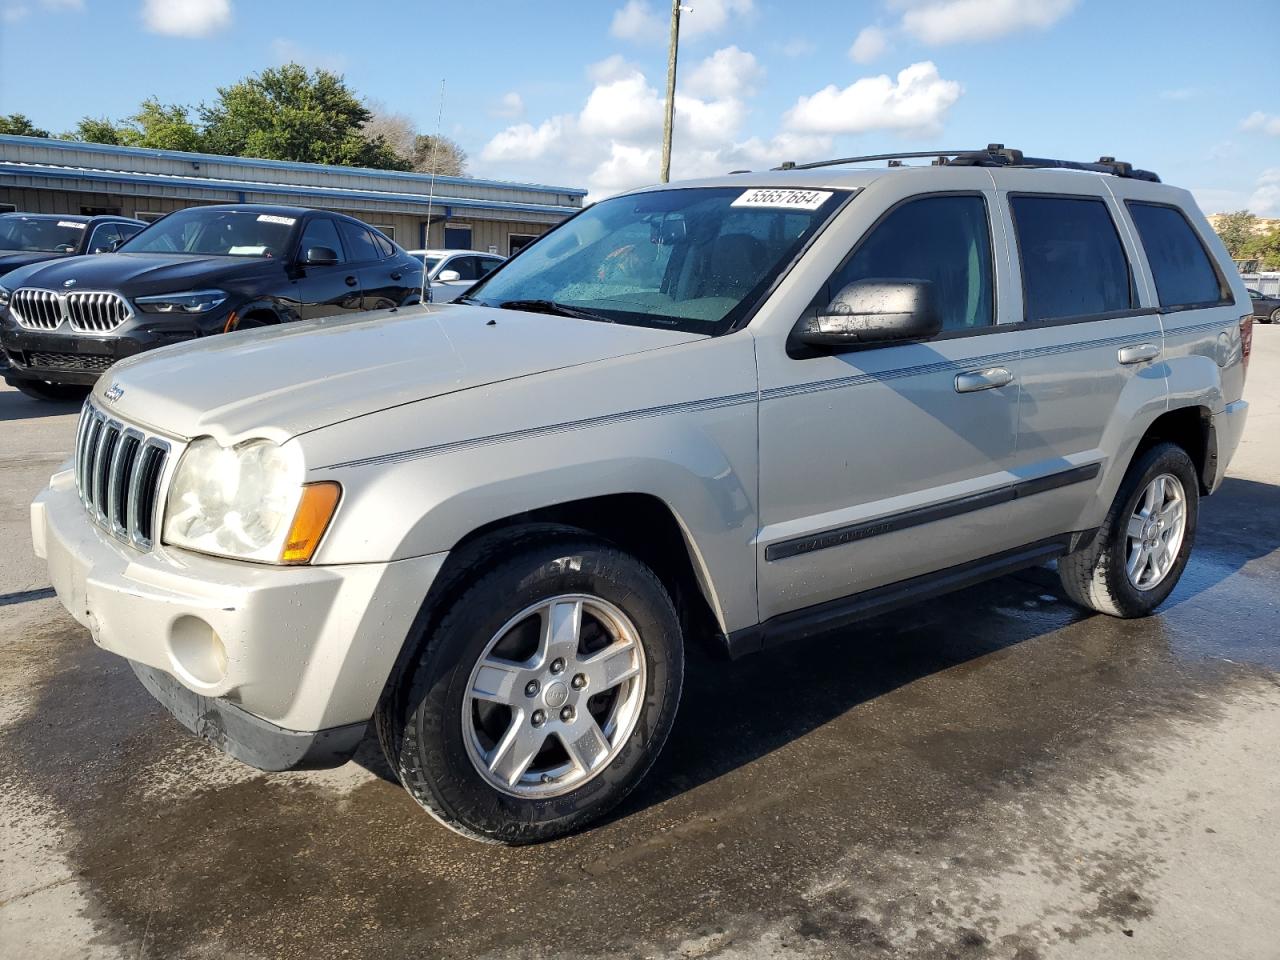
(995, 155)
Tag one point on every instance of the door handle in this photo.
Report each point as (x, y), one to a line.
(352, 281)
(1139, 354)
(974, 380)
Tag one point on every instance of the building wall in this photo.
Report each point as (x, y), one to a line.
(405, 229)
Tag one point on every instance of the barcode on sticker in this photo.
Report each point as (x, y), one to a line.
(71, 223)
(272, 218)
(791, 199)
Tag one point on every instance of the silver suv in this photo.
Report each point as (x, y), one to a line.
(736, 410)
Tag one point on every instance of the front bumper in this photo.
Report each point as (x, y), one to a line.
(279, 666)
(65, 356)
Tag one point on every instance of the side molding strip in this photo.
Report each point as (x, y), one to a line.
(840, 536)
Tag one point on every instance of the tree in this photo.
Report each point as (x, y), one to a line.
(285, 113)
(19, 125)
(394, 128)
(96, 130)
(449, 159)
(162, 127)
(1265, 247)
(1236, 229)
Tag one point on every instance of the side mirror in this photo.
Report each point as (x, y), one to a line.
(448, 276)
(870, 312)
(320, 257)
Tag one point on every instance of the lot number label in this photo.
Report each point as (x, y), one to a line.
(792, 199)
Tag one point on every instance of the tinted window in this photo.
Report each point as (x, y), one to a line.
(488, 265)
(104, 235)
(946, 240)
(127, 230)
(359, 241)
(1072, 262)
(465, 266)
(1182, 269)
(218, 232)
(385, 247)
(321, 233)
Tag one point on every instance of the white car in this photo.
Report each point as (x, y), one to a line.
(453, 271)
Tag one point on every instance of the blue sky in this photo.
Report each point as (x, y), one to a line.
(570, 92)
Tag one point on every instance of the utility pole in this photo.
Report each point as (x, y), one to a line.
(669, 122)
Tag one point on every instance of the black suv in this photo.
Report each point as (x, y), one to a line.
(197, 272)
(27, 238)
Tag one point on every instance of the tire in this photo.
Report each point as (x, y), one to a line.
(440, 738)
(1096, 576)
(51, 392)
(1275, 316)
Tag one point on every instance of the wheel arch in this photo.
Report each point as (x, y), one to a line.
(1191, 428)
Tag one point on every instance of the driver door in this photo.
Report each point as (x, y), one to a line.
(885, 463)
(324, 290)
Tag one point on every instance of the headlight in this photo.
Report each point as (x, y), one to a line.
(5, 294)
(247, 502)
(193, 301)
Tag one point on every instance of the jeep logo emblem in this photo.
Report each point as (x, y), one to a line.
(114, 393)
(68, 283)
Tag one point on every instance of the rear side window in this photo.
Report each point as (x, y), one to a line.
(1072, 262)
(359, 242)
(1183, 272)
(945, 240)
(385, 246)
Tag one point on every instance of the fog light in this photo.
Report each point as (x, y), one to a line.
(197, 652)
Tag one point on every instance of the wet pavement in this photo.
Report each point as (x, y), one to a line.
(994, 774)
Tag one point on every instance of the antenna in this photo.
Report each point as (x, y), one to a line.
(424, 296)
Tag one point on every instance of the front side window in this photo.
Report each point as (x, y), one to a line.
(321, 232)
(1180, 264)
(40, 234)
(464, 267)
(104, 235)
(692, 258)
(945, 240)
(217, 233)
(1072, 262)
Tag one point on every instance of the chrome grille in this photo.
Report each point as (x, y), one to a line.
(96, 312)
(87, 311)
(36, 309)
(118, 473)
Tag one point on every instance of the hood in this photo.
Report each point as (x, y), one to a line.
(282, 381)
(13, 259)
(139, 274)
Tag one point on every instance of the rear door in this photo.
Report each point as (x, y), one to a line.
(388, 281)
(1092, 351)
(886, 463)
(322, 291)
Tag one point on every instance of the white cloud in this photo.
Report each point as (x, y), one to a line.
(524, 142)
(509, 106)
(643, 22)
(611, 68)
(1265, 200)
(868, 45)
(1259, 122)
(916, 103)
(14, 13)
(726, 73)
(960, 21)
(186, 18)
(287, 51)
(626, 107)
(638, 21)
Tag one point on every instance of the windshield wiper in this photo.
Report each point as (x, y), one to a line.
(554, 308)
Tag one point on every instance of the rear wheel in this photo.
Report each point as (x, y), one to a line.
(1275, 316)
(542, 697)
(1137, 555)
(51, 392)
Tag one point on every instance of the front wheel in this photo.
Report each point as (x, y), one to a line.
(542, 697)
(1275, 316)
(1135, 559)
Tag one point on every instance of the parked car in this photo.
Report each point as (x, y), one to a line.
(736, 411)
(195, 273)
(451, 272)
(1266, 309)
(27, 238)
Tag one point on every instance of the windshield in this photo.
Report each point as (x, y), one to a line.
(40, 234)
(219, 233)
(693, 258)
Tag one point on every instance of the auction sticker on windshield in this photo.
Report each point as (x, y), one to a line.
(791, 199)
(272, 218)
(71, 223)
